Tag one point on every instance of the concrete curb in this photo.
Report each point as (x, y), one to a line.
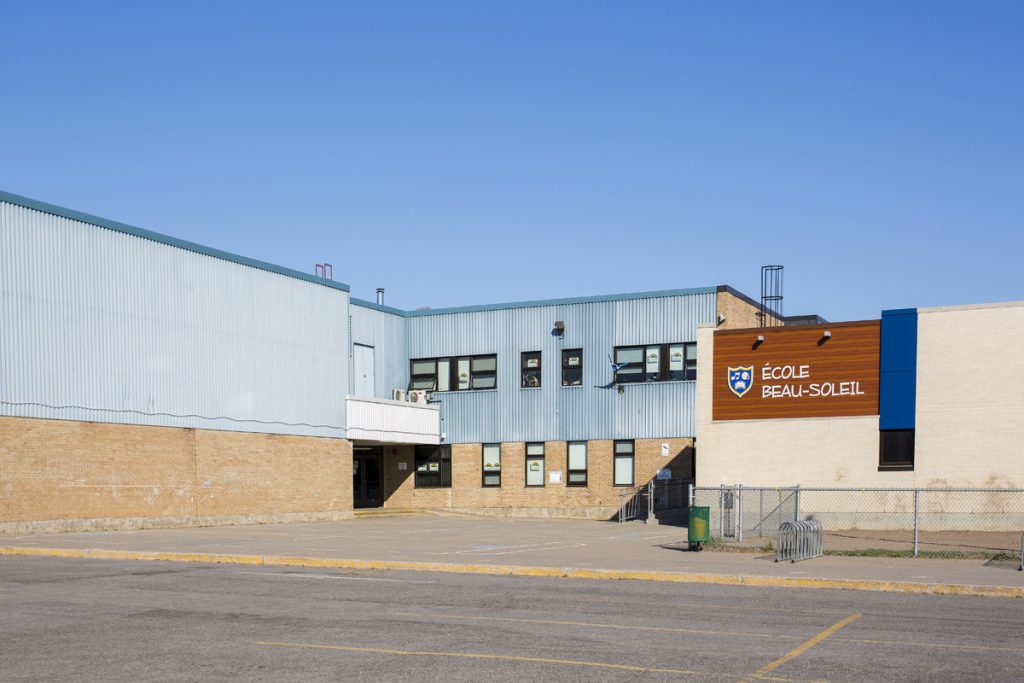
(514, 570)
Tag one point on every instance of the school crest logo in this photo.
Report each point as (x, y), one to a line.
(741, 379)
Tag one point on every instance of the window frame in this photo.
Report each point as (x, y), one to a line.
(569, 471)
(453, 372)
(632, 459)
(566, 354)
(443, 453)
(535, 373)
(906, 448)
(484, 473)
(543, 463)
(664, 363)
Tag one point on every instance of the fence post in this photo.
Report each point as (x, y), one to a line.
(917, 517)
(796, 508)
(689, 495)
(721, 511)
(739, 512)
(650, 498)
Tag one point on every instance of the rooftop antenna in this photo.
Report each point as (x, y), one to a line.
(771, 296)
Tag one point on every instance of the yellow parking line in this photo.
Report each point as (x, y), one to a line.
(667, 629)
(804, 647)
(513, 658)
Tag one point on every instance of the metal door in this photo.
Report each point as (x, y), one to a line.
(362, 357)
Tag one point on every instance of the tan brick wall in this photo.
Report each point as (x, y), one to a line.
(467, 493)
(67, 470)
(738, 313)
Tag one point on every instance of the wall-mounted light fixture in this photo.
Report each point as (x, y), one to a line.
(758, 341)
(559, 329)
(721, 318)
(825, 336)
(622, 389)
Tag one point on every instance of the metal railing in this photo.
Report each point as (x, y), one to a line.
(800, 540)
(935, 521)
(1021, 567)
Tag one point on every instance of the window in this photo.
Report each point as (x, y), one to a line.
(492, 464)
(572, 367)
(577, 464)
(534, 464)
(433, 466)
(530, 369)
(896, 449)
(656, 363)
(454, 374)
(623, 464)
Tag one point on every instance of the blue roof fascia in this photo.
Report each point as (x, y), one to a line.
(377, 307)
(165, 239)
(563, 302)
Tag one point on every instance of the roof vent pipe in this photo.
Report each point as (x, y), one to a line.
(380, 296)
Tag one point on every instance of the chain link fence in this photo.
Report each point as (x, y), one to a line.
(933, 522)
(660, 499)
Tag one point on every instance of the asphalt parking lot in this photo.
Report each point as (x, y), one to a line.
(105, 620)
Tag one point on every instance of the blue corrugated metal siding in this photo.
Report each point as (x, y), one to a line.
(386, 333)
(102, 325)
(554, 412)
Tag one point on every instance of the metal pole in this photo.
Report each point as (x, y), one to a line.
(917, 518)
(689, 496)
(739, 511)
(760, 512)
(796, 508)
(721, 511)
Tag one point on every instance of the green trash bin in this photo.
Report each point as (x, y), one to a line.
(699, 528)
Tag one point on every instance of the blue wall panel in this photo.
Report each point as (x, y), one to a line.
(553, 412)
(897, 391)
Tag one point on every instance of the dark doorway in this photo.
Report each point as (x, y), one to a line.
(367, 480)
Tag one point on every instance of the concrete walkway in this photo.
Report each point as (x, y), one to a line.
(583, 549)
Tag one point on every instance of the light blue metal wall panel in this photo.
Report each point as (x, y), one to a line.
(386, 333)
(592, 411)
(105, 326)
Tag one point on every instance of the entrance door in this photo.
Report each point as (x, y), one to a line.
(367, 482)
(362, 368)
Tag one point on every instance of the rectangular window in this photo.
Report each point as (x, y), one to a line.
(535, 464)
(433, 466)
(896, 449)
(572, 367)
(655, 363)
(424, 375)
(492, 464)
(623, 464)
(454, 374)
(530, 369)
(577, 463)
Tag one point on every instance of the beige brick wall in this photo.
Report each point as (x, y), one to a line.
(598, 499)
(783, 452)
(970, 396)
(67, 470)
(969, 422)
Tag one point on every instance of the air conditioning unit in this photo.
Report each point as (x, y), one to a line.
(417, 396)
(397, 395)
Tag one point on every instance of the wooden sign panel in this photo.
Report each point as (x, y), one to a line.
(796, 371)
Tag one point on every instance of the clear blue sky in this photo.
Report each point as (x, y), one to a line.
(479, 152)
